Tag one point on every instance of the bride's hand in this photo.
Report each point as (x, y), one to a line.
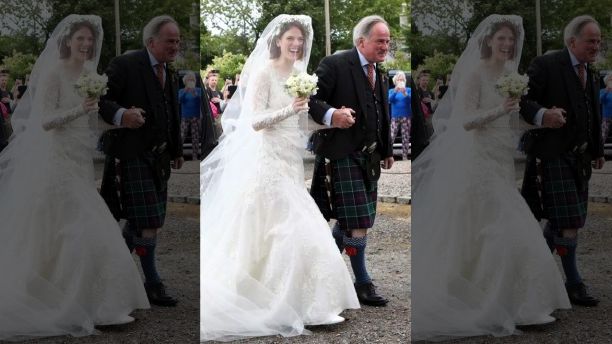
(300, 104)
(90, 104)
(511, 104)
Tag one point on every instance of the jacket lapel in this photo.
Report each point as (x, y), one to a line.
(358, 79)
(572, 83)
(147, 73)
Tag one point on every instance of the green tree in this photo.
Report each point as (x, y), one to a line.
(19, 64)
(228, 64)
(239, 23)
(446, 25)
(439, 64)
(344, 14)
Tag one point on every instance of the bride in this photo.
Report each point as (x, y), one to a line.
(481, 265)
(65, 267)
(269, 264)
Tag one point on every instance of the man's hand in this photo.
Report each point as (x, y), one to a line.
(177, 163)
(133, 118)
(554, 118)
(598, 163)
(387, 163)
(343, 118)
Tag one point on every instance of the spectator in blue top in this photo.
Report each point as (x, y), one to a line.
(605, 96)
(189, 99)
(399, 99)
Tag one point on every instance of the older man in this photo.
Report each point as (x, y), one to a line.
(352, 98)
(142, 99)
(563, 100)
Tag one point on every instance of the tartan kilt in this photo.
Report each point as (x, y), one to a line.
(144, 206)
(353, 198)
(564, 204)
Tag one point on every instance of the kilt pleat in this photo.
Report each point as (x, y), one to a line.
(143, 204)
(564, 203)
(354, 199)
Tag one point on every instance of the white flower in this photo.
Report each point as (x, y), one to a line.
(92, 85)
(513, 85)
(302, 85)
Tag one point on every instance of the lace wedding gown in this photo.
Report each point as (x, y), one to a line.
(269, 262)
(65, 266)
(480, 262)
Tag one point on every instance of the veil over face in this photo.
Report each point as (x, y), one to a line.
(475, 52)
(265, 51)
(55, 51)
(30, 147)
(236, 119)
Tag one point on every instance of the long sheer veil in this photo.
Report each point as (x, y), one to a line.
(25, 162)
(224, 175)
(239, 140)
(448, 113)
(446, 176)
(449, 117)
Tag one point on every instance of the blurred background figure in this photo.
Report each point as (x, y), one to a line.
(605, 96)
(189, 100)
(399, 99)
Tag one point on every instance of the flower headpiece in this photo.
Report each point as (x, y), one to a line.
(303, 20)
(75, 19)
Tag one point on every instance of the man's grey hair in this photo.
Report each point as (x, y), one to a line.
(575, 26)
(364, 27)
(151, 30)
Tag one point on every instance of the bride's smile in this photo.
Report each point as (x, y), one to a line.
(81, 44)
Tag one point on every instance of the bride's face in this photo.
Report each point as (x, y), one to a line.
(291, 44)
(81, 44)
(502, 44)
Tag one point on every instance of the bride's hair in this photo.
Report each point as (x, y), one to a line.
(282, 28)
(64, 50)
(485, 49)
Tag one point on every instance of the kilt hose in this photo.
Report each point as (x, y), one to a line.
(562, 201)
(353, 199)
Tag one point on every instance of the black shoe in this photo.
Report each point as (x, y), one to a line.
(366, 293)
(578, 295)
(157, 295)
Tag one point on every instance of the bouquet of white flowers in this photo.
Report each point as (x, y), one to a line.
(513, 85)
(302, 85)
(92, 85)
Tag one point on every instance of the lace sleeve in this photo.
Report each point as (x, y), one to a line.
(469, 96)
(262, 116)
(54, 116)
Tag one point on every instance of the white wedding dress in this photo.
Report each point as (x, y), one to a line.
(65, 266)
(480, 262)
(269, 263)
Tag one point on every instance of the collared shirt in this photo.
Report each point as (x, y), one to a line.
(540, 114)
(364, 65)
(119, 114)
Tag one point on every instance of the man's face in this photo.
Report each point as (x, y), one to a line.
(165, 46)
(212, 82)
(586, 46)
(3, 81)
(375, 47)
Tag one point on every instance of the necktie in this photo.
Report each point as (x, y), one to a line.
(582, 75)
(371, 74)
(159, 71)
